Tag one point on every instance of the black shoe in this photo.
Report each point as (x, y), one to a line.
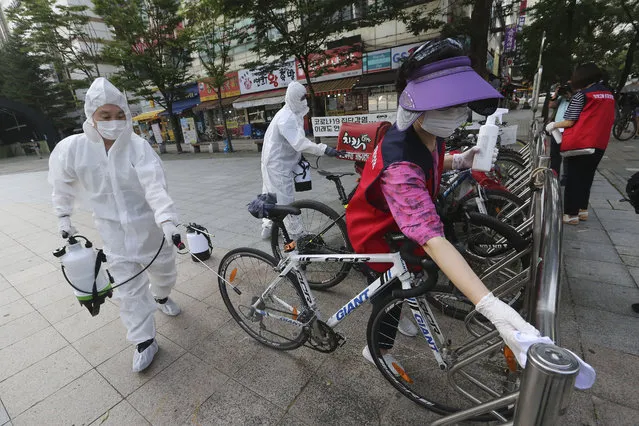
(635, 307)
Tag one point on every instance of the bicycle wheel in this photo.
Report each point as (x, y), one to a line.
(324, 232)
(509, 165)
(414, 371)
(625, 127)
(486, 242)
(502, 205)
(252, 271)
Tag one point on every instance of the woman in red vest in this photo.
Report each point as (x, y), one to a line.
(587, 123)
(401, 178)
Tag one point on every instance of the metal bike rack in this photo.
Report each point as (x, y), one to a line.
(548, 379)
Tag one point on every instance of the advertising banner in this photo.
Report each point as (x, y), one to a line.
(509, 39)
(231, 88)
(157, 132)
(379, 60)
(252, 81)
(329, 126)
(342, 62)
(400, 53)
(188, 130)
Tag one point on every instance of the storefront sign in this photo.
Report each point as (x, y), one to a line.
(252, 81)
(400, 53)
(329, 126)
(379, 60)
(337, 63)
(520, 23)
(509, 39)
(188, 130)
(231, 88)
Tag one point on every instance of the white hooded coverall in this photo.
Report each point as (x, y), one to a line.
(127, 192)
(284, 143)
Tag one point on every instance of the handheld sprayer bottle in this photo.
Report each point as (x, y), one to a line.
(486, 141)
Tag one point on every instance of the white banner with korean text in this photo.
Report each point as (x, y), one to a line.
(329, 126)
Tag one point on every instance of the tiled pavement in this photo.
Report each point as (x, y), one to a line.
(58, 365)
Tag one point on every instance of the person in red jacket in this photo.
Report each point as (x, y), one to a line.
(436, 86)
(587, 123)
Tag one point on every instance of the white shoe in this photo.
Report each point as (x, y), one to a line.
(390, 361)
(142, 360)
(266, 233)
(406, 326)
(169, 308)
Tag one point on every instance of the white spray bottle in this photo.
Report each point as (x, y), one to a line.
(486, 141)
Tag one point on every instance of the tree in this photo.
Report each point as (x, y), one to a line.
(152, 49)
(215, 31)
(60, 35)
(577, 32)
(450, 21)
(300, 29)
(24, 79)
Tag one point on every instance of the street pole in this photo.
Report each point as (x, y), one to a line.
(537, 80)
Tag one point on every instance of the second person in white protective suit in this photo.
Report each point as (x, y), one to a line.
(124, 180)
(284, 143)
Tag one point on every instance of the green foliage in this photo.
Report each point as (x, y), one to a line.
(25, 79)
(576, 32)
(59, 35)
(151, 47)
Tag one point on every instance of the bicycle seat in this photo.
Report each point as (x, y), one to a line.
(332, 175)
(280, 211)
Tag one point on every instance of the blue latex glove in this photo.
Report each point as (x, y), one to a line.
(331, 152)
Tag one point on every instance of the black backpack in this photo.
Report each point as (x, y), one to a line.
(632, 190)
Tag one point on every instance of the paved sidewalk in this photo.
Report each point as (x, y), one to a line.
(61, 366)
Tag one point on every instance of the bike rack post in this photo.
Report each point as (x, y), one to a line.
(546, 386)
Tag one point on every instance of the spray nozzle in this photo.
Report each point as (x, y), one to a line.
(497, 115)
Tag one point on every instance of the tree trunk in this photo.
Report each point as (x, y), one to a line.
(175, 125)
(630, 57)
(227, 136)
(480, 24)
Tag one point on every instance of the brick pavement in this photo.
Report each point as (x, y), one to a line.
(60, 366)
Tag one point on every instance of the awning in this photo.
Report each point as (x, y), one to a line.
(376, 79)
(214, 104)
(146, 116)
(258, 99)
(333, 87)
(183, 104)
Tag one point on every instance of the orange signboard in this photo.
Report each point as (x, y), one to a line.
(230, 88)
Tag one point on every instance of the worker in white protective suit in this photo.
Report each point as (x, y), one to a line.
(284, 143)
(127, 191)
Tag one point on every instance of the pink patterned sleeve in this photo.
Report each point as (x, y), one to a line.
(404, 187)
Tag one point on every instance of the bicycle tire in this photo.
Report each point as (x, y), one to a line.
(510, 165)
(420, 377)
(264, 266)
(621, 125)
(452, 303)
(318, 218)
(498, 203)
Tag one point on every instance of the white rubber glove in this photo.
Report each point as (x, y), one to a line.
(169, 230)
(505, 319)
(465, 159)
(65, 227)
(550, 127)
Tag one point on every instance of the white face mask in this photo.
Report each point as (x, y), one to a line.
(111, 130)
(442, 123)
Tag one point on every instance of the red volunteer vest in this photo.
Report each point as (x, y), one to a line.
(368, 218)
(592, 130)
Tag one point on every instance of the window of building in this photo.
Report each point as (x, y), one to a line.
(382, 98)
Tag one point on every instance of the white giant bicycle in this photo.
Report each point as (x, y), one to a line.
(273, 302)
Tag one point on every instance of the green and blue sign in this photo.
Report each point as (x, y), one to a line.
(379, 60)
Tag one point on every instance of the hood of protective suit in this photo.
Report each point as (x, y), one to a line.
(103, 92)
(294, 100)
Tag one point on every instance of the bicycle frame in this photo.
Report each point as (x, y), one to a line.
(420, 309)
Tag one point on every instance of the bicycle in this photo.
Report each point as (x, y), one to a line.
(273, 303)
(625, 125)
